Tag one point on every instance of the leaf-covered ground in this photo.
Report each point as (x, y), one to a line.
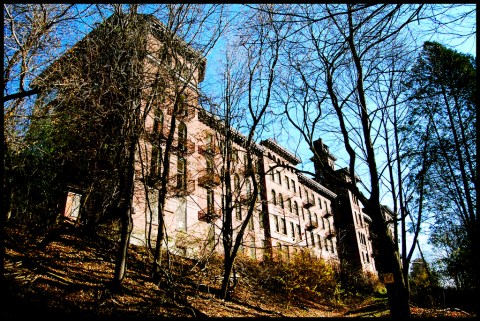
(66, 277)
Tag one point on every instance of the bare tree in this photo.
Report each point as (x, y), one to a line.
(336, 55)
(248, 77)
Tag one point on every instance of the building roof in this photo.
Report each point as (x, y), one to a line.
(157, 28)
(315, 185)
(216, 123)
(274, 146)
(347, 171)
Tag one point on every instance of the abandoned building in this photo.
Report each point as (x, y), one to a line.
(292, 212)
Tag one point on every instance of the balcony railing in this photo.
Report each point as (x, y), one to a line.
(178, 191)
(330, 234)
(311, 225)
(327, 214)
(307, 204)
(187, 149)
(208, 179)
(209, 215)
(184, 114)
(208, 149)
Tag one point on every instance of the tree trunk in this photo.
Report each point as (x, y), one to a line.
(126, 216)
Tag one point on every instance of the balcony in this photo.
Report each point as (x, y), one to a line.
(209, 216)
(311, 225)
(327, 214)
(208, 179)
(181, 191)
(184, 149)
(307, 204)
(184, 114)
(330, 234)
(208, 150)
(151, 180)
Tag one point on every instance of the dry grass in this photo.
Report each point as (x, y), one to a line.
(67, 276)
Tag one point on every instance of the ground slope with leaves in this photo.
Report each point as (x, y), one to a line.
(64, 276)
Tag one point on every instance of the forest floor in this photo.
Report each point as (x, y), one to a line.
(65, 277)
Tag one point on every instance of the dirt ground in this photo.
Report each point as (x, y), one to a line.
(65, 277)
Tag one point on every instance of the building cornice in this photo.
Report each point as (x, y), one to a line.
(274, 146)
(315, 185)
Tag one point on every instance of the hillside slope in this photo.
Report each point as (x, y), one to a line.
(66, 277)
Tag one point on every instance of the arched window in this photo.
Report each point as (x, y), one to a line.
(157, 121)
(236, 182)
(156, 160)
(238, 211)
(274, 197)
(289, 202)
(209, 162)
(210, 201)
(182, 137)
(181, 173)
(295, 207)
(280, 200)
(315, 218)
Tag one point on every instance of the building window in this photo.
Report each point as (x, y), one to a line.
(295, 207)
(300, 191)
(279, 178)
(156, 160)
(236, 183)
(210, 201)
(181, 173)
(289, 201)
(293, 186)
(319, 242)
(292, 227)
(209, 162)
(253, 253)
(280, 200)
(272, 173)
(274, 197)
(313, 238)
(235, 155)
(238, 211)
(261, 218)
(299, 231)
(323, 223)
(287, 182)
(182, 137)
(315, 217)
(277, 226)
(326, 245)
(320, 202)
(284, 225)
(157, 122)
(249, 189)
(182, 105)
(250, 223)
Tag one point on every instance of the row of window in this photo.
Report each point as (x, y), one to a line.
(295, 230)
(358, 219)
(326, 244)
(363, 239)
(291, 185)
